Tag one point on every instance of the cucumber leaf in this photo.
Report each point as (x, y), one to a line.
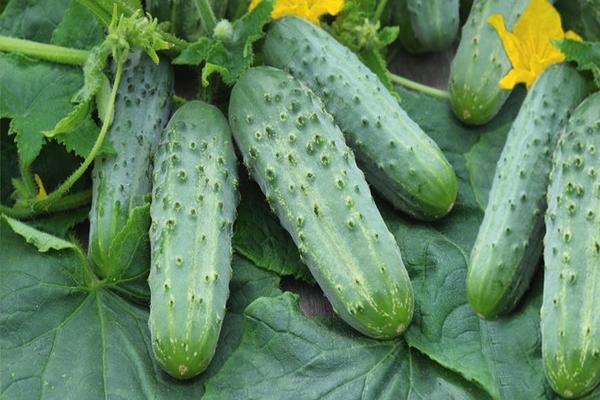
(229, 53)
(60, 224)
(259, 237)
(585, 54)
(32, 19)
(79, 28)
(35, 95)
(63, 338)
(287, 355)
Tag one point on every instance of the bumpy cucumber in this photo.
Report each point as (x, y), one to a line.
(427, 25)
(399, 159)
(194, 200)
(571, 308)
(509, 242)
(481, 62)
(298, 156)
(121, 181)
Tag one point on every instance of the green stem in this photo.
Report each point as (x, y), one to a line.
(379, 10)
(207, 15)
(419, 87)
(68, 183)
(27, 178)
(68, 202)
(43, 51)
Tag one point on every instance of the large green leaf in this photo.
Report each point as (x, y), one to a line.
(36, 95)
(286, 355)
(61, 337)
(32, 19)
(79, 28)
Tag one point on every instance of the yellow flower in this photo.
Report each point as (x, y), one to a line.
(41, 189)
(529, 45)
(309, 9)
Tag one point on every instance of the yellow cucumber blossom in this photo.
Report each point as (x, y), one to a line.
(309, 9)
(529, 46)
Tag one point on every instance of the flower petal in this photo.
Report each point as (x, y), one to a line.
(516, 76)
(509, 41)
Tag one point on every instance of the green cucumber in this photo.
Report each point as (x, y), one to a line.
(426, 25)
(481, 62)
(571, 307)
(122, 181)
(509, 242)
(297, 155)
(194, 201)
(401, 162)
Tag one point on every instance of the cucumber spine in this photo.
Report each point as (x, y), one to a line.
(401, 162)
(509, 243)
(194, 201)
(298, 156)
(571, 307)
(122, 181)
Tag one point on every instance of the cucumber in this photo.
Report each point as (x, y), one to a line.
(194, 201)
(481, 62)
(121, 181)
(427, 25)
(401, 162)
(571, 307)
(509, 242)
(298, 156)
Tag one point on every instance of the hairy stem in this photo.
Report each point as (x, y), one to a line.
(27, 178)
(68, 202)
(68, 183)
(207, 15)
(43, 51)
(419, 87)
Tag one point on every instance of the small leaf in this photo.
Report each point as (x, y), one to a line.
(129, 250)
(585, 54)
(195, 53)
(231, 57)
(41, 240)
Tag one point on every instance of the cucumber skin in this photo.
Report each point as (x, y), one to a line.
(297, 155)
(122, 181)
(427, 26)
(481, 62)
(572, 279)
(509, 242)
(194, 202)
(401, 162)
